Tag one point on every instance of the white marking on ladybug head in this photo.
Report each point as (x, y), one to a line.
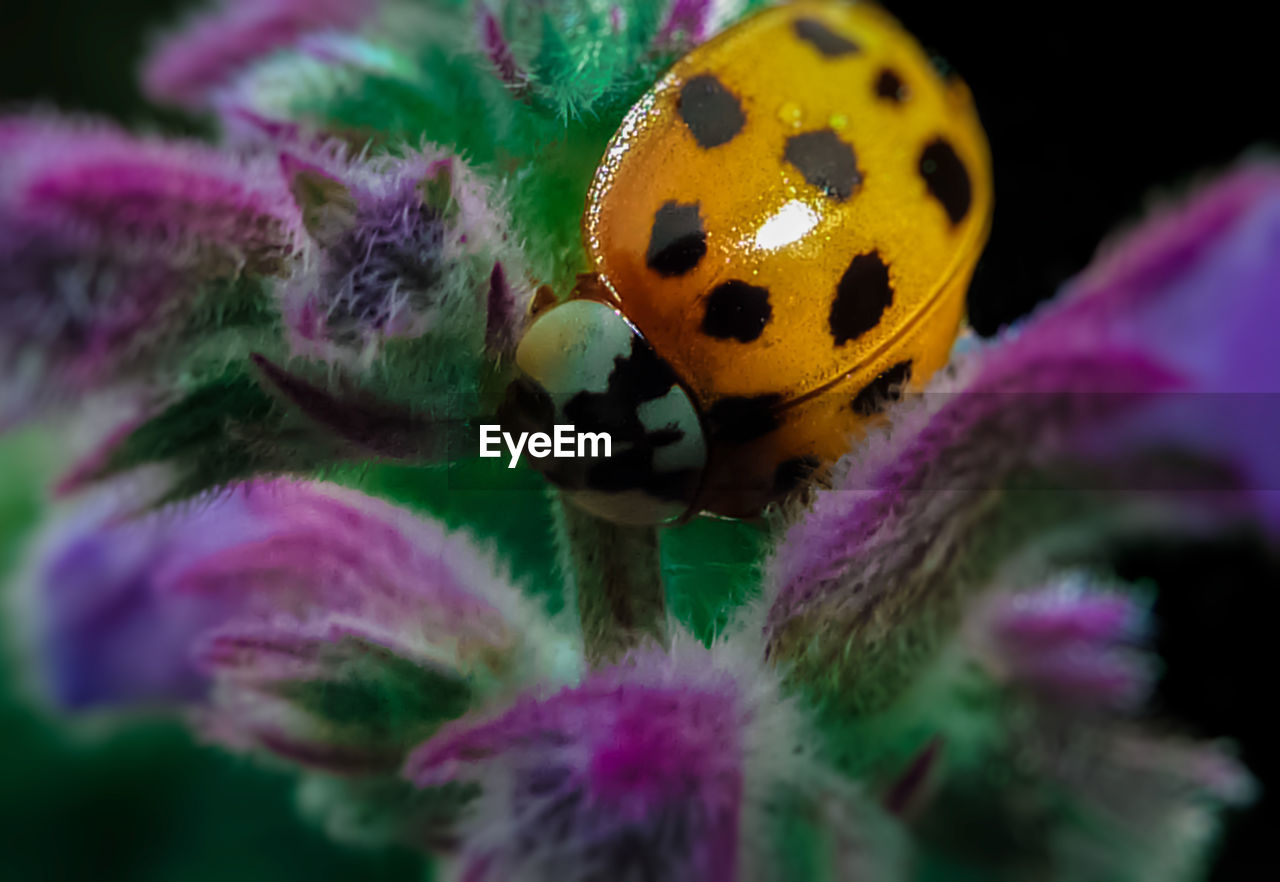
(572, 348)
(674, 413)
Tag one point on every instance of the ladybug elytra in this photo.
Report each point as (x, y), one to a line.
(780, 238)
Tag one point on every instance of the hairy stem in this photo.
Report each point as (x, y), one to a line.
(614, 573)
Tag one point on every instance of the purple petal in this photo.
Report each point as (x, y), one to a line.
(1066, 614)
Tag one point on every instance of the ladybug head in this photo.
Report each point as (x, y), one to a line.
(626, 441)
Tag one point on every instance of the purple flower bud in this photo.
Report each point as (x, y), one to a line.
(634, 765)
(337, 630)
(111, 628)
(1069, 420)
(1065, 642)
(213, 47)
(405, 247)
(108, 240)
(666, 766)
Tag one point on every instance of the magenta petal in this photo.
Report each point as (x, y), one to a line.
(687, 765)
(1053, 618)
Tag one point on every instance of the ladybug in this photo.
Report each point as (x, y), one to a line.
(780, 238)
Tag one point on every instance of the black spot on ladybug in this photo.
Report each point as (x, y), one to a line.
(736, 310)
(890, 87)
(740, 418)
(862, 296)
(885, 388)
(826, 162)
(638, 377)
(945, 176)
(791, 473)
(677, 241)
(822, 38)
(711, 111)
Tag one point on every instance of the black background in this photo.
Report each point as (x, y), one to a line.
(1091, 109)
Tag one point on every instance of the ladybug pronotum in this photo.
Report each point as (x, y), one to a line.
(780, 235)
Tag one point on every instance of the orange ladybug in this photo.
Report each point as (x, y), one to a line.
(780, 236)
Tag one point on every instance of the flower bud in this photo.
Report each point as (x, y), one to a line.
(336, 631)
(686, 766)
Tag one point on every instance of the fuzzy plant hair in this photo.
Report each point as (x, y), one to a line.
(920, 665)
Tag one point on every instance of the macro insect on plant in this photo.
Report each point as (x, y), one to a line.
(780, 237)
(897, 651)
